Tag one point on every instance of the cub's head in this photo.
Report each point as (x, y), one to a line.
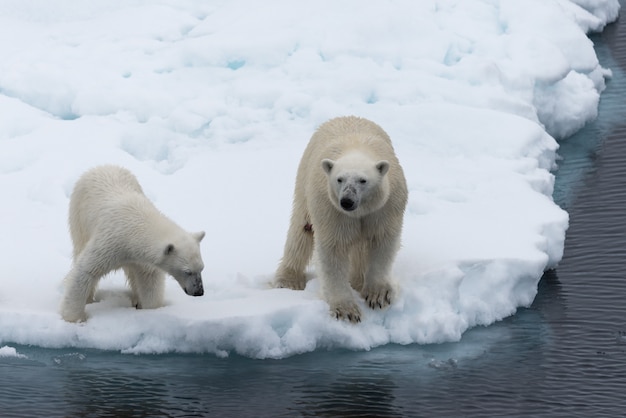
(182, 260)
(357, 184)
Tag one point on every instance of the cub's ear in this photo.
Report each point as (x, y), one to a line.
(382, 167)
(199, 235)
(169, 249)
(327, 165)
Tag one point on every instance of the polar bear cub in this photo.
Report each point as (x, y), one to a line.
(349, 203)
(113, 225)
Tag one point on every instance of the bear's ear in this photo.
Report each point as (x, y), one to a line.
(382, 167)
(169, 249)
(327, 165)
(199, 235)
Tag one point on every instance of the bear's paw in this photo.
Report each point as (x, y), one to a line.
(290, 280)
(73, 316)
(346, 310)
(378, 296)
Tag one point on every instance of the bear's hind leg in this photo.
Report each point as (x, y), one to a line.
(297, 255)
(80, 285)
(147, 284)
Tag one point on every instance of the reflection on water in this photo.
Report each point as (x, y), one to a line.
(391, 381)
(563, 356)
(579, 151)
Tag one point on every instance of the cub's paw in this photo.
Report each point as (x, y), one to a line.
(73, 316)
(346, 310)
(379, 296)
(293, 281)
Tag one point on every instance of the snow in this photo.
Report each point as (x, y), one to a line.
(6, 351)
(211, 104)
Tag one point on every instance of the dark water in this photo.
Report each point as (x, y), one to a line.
(563, 356)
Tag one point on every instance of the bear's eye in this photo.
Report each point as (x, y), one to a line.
(340, 180)
(362, 181)
(188, 272)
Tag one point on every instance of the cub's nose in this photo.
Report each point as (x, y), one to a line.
(347, 204)
(196, 288)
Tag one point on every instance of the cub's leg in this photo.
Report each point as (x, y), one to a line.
(81, 282)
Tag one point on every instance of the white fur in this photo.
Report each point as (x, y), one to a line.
(351, 189)
(113, 225)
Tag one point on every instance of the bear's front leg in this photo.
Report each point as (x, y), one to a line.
(334, 269)
(377, 289)
(147, 284)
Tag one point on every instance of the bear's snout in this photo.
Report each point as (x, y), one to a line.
(195, 291)
(195, 288)
(198, 292)
(349, 198)
(348, 204)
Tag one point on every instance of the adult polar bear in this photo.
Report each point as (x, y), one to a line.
(113, 225)
(349, 204)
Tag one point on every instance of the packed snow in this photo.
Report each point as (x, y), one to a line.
(211, 104)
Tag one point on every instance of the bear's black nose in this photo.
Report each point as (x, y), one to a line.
(196, 289)
(347, 204)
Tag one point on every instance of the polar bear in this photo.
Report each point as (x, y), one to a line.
(348, 206)
(113, 225)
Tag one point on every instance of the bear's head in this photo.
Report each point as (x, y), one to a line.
(357, 184)
(182, 260)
